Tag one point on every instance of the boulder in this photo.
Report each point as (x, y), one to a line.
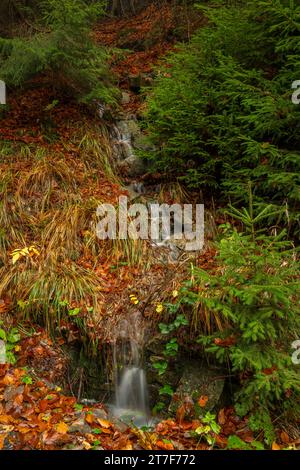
(200, 386)
(100, 413)
(79, 426)
(132, 166)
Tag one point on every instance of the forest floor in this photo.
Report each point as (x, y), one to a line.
(35, 410)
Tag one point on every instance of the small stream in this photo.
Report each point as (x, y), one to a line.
(131, 389)
(131, 397)
(131, 402)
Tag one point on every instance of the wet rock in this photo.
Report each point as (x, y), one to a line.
(79, 426)
(100, 413)
(132, 166)
(88, 401)
(127, 133)
(172, 248)
(119, 425)
(133, 191)
(198, 381)
(155, 345)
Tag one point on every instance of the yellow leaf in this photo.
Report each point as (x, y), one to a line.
(175, 293)
(23, 252)
(104, 423)
(15, 257)
(17, 348)
(134, 300)
(86, 445)
(62, 428)
(34, 251)
(159, 308)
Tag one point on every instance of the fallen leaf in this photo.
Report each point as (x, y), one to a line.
(202, 401)
(275, 446)
(89, 418)
(165, 445)
(43, 405)
(226, 342)
(62, 428)
(106, 431)
(284, 437)
(221, 417)
(104, 423)
(86, 445)
(6, 419)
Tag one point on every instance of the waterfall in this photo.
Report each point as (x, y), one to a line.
(131, 390)
(121, 137)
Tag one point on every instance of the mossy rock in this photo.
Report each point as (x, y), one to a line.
(199, 385)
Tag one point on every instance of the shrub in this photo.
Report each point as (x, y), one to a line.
(256, 292)
(63, 49)
(220, 112)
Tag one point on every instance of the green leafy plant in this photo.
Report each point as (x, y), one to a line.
(171, 347)
(208, 429)
(161, 367)
(166, 390)
(235, 443)
(220, 112)
(63, 48)
(11, 337)
(26, 379)
(257, 294)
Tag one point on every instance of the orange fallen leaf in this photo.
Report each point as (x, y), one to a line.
(165, 445)
(89, 418)
(185, 425)
(127, 446)
(230, 341)
(275, 446)
(6, 419)
(106, 431)
(62, 428)
(221, 417)
(284, 437)
(104, 423)
(8, 380)
(202, 401)
(43, 405)
(221, 441)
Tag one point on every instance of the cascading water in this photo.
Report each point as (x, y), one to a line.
(131, 390)
(121, 139)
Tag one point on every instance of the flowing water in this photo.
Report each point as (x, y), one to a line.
(131, 390)
(121, 140)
